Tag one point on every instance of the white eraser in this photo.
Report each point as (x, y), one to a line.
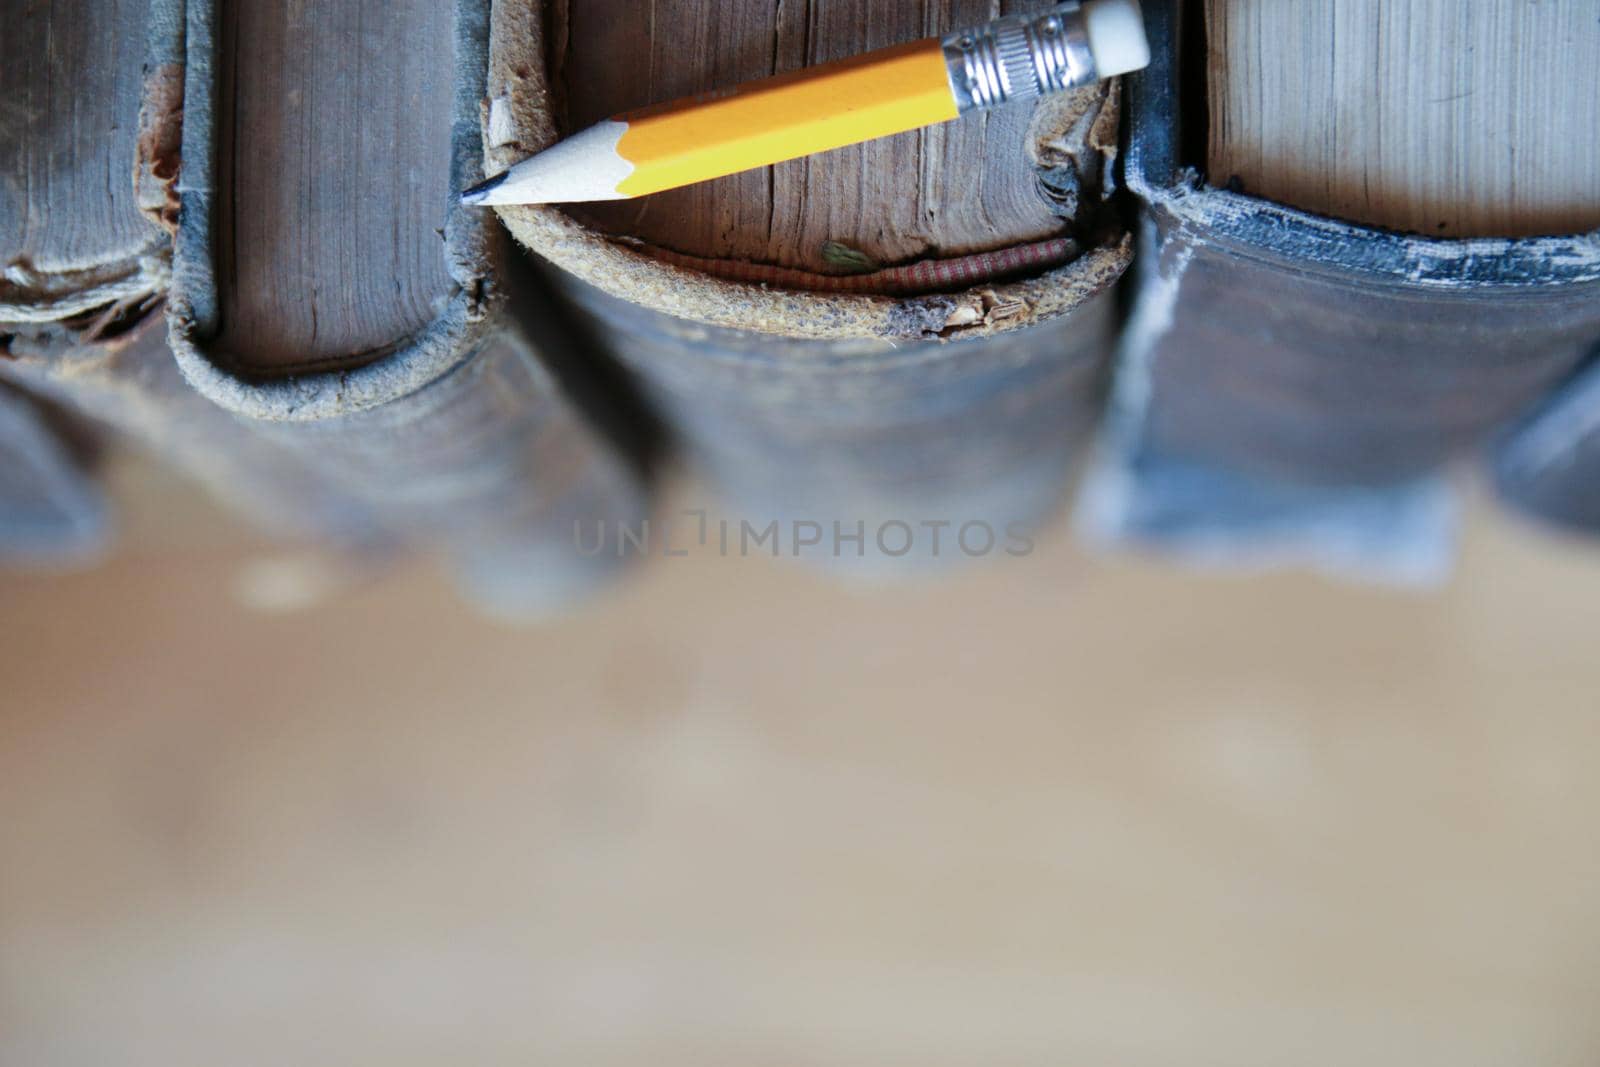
(1116, 36)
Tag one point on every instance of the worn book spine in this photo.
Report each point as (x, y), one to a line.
(1293, 387)
(96, 102)
(846, 408)
(1548, 467)
(129, 383)
(51, 512)
(457, 435)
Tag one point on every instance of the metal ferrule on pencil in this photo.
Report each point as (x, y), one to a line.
(1020, 57)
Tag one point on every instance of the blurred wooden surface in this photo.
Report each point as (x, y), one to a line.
(1063, 811)
(1449, 119)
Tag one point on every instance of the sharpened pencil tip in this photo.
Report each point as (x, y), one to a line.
(480, 192)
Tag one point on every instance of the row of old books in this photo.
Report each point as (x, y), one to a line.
(1362, 237)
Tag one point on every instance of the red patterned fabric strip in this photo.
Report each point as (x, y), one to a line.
(911, 279)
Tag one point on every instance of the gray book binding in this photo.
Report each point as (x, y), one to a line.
(51, 513)
(1548, 467)
(833, 417)
(94, 94)
(1293, 388)
(404, 352)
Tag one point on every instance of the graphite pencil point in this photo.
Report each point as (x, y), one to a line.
(480, 192)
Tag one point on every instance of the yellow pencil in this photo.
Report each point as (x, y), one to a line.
(1019, 57)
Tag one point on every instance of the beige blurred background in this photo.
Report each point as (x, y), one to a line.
(1065, 810)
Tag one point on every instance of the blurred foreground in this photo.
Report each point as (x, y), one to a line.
(1059, 810)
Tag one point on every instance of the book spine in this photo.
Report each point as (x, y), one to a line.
(51, 513)
(868, 449)
(94, 340)
(826, 409)
(460, 441)
(1293, 387)
(130, 383)
(1548, 467)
